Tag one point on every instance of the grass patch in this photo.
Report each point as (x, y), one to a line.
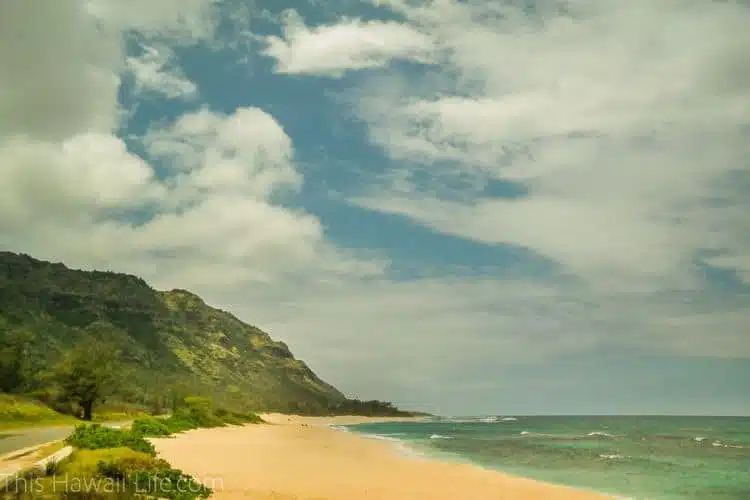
(86, 462)
(19, 412)
(108, 474)
(111, 464)
(49, 449)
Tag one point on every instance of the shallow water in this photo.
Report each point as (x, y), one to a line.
(659, 458)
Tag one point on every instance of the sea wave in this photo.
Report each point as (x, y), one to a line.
(539, 434)
(613, 457)
(721, 444)
(551, 436)
(439, 436)
(600, 434)
(383, 437)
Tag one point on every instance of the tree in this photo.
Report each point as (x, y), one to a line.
(88, 374)
(14, 357)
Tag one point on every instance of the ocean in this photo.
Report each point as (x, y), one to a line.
(641, 458)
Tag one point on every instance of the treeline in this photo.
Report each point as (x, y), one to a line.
(92, 373)
(87, 376)
(84, 376)
(372, 408)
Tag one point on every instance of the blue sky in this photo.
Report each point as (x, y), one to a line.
(465, 207)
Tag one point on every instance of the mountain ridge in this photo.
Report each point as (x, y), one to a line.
(173, 341)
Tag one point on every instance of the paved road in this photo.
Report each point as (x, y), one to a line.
(23, 438)
(16, 440)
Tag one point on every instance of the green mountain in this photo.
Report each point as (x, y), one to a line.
(171, 343)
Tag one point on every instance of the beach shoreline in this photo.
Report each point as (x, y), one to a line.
(304, 458)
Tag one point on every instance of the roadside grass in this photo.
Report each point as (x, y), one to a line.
(18, 412)
(114, 464)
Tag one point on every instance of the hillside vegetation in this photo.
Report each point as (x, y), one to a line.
(170, 344)
(16, 411)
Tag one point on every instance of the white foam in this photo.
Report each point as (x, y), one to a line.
(699, 439)
(339, 427)
(537, 434)
(600, 434)
(438, 436)
(488, 419)
(400, 446)
(381, 437)
(612, 457)
(510, 419)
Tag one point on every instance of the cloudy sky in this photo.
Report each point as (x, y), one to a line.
(478, 206)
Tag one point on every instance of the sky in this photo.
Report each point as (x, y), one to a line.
(465, 207)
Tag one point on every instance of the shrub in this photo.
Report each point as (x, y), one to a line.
(181, 420)
(150, 427)
(85, 463)
(95, 437)
(154, 477)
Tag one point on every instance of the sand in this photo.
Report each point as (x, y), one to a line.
(300, 458)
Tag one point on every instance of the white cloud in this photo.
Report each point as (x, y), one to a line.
(85, 173)
(60, 73)
(152, 73)
(735, 262)
(73, 192)
(182, 21)
(615, 202)
(624, 122)
(246, 153)
(383, 337)
(349, 45)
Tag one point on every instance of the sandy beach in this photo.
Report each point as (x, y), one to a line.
(300, 458)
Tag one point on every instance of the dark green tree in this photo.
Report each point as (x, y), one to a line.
(89, 373)
(14, 357)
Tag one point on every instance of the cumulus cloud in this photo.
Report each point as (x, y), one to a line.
(349, 45)
(448, 334)
(73, 191)
(181, 21)
(621, 121)
(60, 73)
(152, 73)
(624, 122)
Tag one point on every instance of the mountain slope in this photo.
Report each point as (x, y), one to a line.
(172, 342)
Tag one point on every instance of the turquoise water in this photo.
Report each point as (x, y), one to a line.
(658, 458)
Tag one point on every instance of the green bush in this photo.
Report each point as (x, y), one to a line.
(95, 437)
(150, 427)
(198, 403)
(180, 421)
(198, 413)
(156, 478)
(242, 418)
